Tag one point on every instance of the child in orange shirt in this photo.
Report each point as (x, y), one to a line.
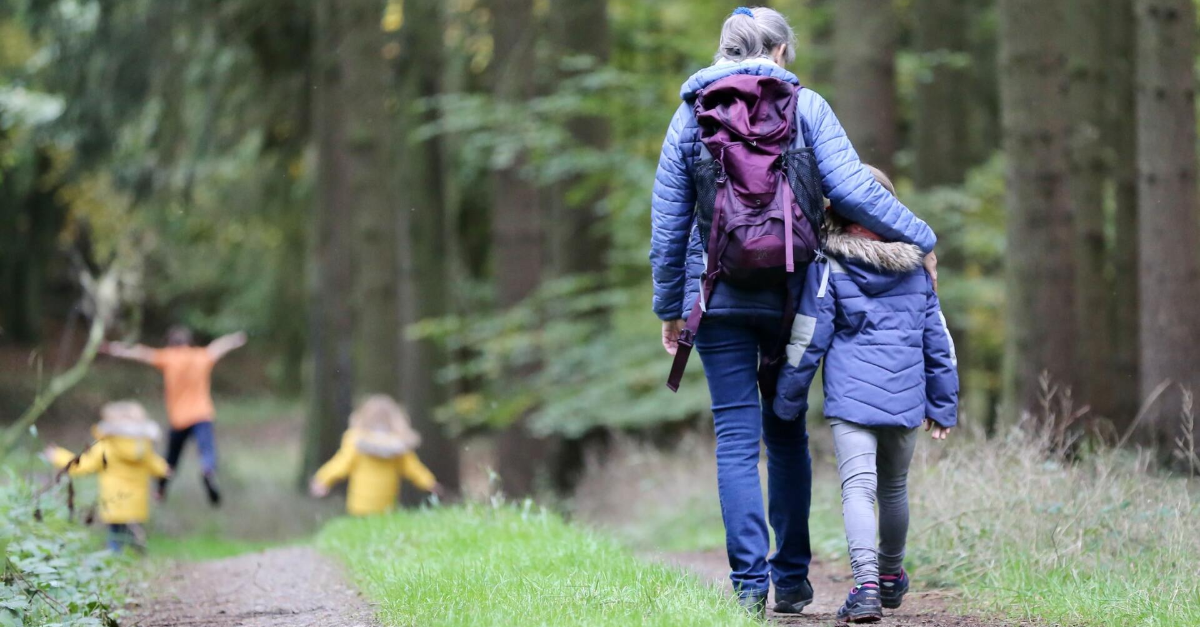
(187, 383)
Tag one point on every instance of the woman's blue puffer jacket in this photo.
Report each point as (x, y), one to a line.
(675, 252)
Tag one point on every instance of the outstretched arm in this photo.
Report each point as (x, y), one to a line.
(225, 344)
(132, 352)
(336, 469)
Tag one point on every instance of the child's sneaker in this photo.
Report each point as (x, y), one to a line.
(862, 605)
(892, 589)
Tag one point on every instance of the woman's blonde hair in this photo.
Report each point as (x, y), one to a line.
(380, 413)
(754, 33)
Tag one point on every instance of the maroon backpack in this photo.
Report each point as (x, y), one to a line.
(759, 203)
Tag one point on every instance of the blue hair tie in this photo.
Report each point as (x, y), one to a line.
(743, 11)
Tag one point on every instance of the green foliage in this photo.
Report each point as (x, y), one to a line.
(53, 572)
(525, 566)
(595, 361)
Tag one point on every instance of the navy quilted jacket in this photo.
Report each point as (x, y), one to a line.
(676, 253)
(870, 311)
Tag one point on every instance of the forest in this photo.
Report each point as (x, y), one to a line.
(448, 201)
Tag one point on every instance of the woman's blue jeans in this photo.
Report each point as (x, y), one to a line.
(729, 348)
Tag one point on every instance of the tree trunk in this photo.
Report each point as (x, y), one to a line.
(1088, 168)
(941, 128)
(1040, 260)
(424, 260)
(1168, 231)
(517, 239)
(581, 241)
(369, 133)
(864, 43)
(1122, 124)
(332, 314)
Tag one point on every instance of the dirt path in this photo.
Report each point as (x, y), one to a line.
(292, 587)
(830, 585)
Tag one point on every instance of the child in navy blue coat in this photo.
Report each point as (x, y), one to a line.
(870, 311)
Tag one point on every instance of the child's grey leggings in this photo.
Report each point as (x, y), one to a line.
(873, 462)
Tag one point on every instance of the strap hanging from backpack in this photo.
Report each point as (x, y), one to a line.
(687, 337)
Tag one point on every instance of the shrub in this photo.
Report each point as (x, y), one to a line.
(53, 573)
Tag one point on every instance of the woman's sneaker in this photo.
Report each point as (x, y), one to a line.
(892, 589)
(862, 605)
(794, 601)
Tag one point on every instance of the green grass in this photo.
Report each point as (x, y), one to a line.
(476, 565)
(201, 547)
(1101, 542)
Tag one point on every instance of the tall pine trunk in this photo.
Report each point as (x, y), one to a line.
(581, 242)
(864, 43)
(1122, 124)
(331, 313)
(1168, 231)
(369, 132)
(518, 249)
(1040, 260)
(1088, 169)
(941, 129)
(424, 261)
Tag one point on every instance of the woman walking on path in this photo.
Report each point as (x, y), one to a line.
(739, 323)
(187, 388)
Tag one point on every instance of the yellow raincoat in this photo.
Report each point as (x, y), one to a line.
(374, 476)
(125, 465)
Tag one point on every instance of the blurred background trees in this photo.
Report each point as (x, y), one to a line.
(449, 201)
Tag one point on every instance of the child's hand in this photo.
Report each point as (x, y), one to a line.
(438, 490)
(318, 489)
(48, 452)
(938, 432)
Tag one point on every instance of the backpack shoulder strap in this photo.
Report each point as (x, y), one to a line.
(797, 126)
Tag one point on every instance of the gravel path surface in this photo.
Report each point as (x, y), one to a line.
(292, 586)
(830, 586)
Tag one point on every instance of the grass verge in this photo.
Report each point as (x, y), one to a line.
(1099, 542)
(204, 546)
(478, 565)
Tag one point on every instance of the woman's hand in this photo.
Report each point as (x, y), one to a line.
(670, 335)
(930, 263)
(938, 432)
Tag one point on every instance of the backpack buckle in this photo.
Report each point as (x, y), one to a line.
(687, 338)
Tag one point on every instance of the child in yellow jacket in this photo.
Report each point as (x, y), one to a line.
(377, 452)
(123, 455)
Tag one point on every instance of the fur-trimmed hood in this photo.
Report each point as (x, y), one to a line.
(129, 441)
(887, 256)
(139, 430)
(874, 266)
(382, 445)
